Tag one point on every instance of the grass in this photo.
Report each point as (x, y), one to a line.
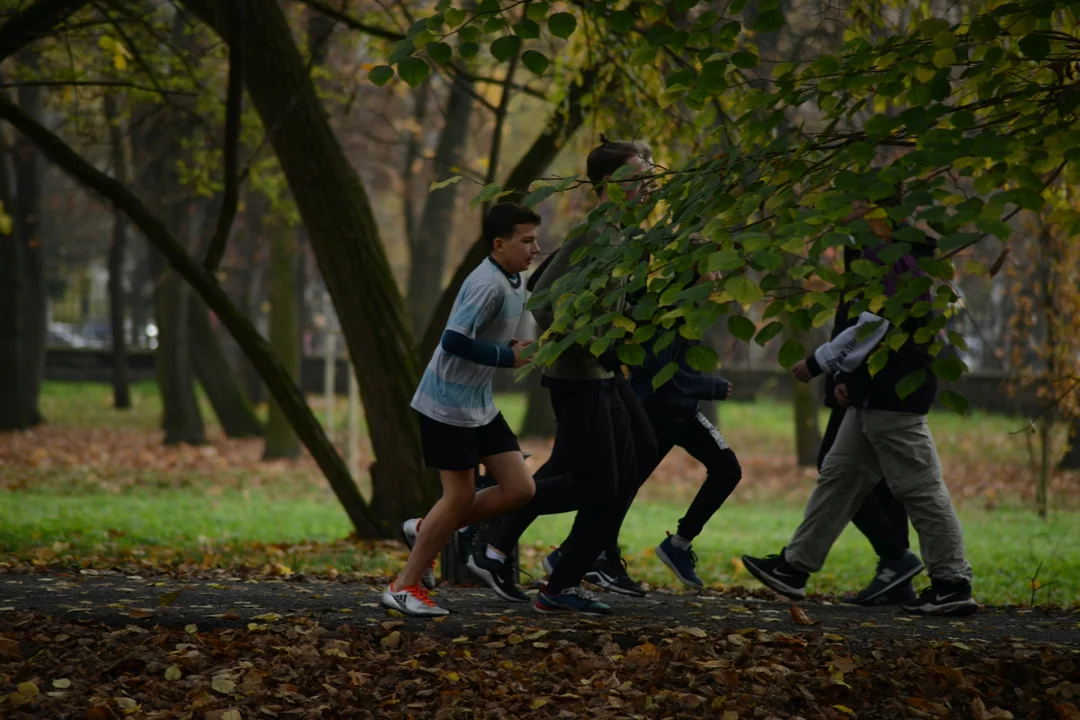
(254, 515)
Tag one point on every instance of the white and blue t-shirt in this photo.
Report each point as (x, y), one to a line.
(457, 391)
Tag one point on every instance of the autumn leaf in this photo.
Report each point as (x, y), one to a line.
(168, 598)
(9, 647)
(172, 672)
(538, 702)
(392, 640)
(800, 617)
(223, 685)
(61, 683)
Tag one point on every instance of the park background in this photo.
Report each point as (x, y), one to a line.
(143, 438)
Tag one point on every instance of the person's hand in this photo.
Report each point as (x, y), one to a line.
(801, 371)
(730, 389)
(519, 352)
(842, 396)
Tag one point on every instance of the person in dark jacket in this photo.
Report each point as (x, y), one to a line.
(881, 517)
(882, 433)
(674, 413)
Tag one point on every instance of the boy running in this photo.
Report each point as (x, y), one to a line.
(881, 434)
(459, 423)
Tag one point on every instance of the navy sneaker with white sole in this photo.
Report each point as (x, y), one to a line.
(609, 572)
(681, 562)
(551, 560)
(774, 571)
(570, 600)
(944, 599)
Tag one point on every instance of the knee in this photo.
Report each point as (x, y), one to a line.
(731, 467)
(525, 491)
(459, 496)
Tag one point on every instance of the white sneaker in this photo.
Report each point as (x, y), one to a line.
(409, 530)
(412, 601)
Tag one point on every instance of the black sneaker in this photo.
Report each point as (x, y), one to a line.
(899, 595)
(609, 572)
(682, 562)
(499, 576)
(890, 575)
(774, 571)
(941, 598)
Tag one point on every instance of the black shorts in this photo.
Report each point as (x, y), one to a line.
(450, 447)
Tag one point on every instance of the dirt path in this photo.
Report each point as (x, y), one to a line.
(120, 600)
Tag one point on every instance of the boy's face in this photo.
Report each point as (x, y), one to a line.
(515, 254)
(637, 189)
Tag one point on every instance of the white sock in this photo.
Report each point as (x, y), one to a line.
(680, 542)
(494, 554)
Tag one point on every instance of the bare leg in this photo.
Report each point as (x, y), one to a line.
(446, 516)
(514, 488)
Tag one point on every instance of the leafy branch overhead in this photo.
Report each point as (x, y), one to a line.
(975, 121)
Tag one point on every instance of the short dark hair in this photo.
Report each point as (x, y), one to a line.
(501, 218)
(612, 155)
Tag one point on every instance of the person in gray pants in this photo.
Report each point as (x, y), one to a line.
(882, 434)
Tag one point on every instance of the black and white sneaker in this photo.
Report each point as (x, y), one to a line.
(609, 572)
(499, 576)
(890, 575)
(409, 530)
(774, 571)
(948, 599)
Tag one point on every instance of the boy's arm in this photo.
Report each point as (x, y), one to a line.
(700, 387)
(848, 350)
(481, 352)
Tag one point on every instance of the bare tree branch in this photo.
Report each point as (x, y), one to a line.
(234, 107)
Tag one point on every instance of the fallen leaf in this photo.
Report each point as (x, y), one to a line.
(514, 639)
(223, 685)
(800, 617)
(173, 672)
(61, 683)
(9, 647)
(691, 631)
(538, 702)
(392, 640)
(168, 598)
(267, 617)
(28, 690)
(452, 677)
(125, 703)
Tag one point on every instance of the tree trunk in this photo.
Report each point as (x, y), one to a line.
(1071, 461)
(281, 440)
(805, 406)
(252, 286)
(345, 241)
(539, 419)
(121, 391)
(28, 230)
(218, 379)
(428, 242)
(12, 409)
(255, 347)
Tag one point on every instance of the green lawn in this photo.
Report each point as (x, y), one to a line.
(252, 515)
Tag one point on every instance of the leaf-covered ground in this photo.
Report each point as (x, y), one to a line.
(109, 645)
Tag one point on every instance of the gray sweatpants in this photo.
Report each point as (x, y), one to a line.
(869, 444)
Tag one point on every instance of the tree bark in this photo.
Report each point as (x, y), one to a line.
(345, 240)
(121, 389)
(28, 230)
(255, 347)
(428, 245)
(1071, 460)
(218, 379)
(281, 440)
(12, 409)
(805, 407)
(561, 126)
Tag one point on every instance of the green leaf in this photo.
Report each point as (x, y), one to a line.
(944, 58)
(536, 62)
(744, 60)
(665, 340)
(445, 183)
(744, 290)
(791, 352)
(768, 332)
(621, 21)
(381, 74)
(769, 21)
(723, 261)
(741, 327)
(505, 47)
(440, 52)
(487, 194)
(878, 359)
(702, 358)
(538, 195)
(422, 39)
(957, 340)
(537, 11)
(527, 30)
(1035, 47)
(666, 373)
(930, 28)
(949, 368)
(630, 354)
(562, 25)
(454, 17)
(413, 71)
(487, 7)
(736, 7)
(955, 402)
(910, 383)
(468, 50)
